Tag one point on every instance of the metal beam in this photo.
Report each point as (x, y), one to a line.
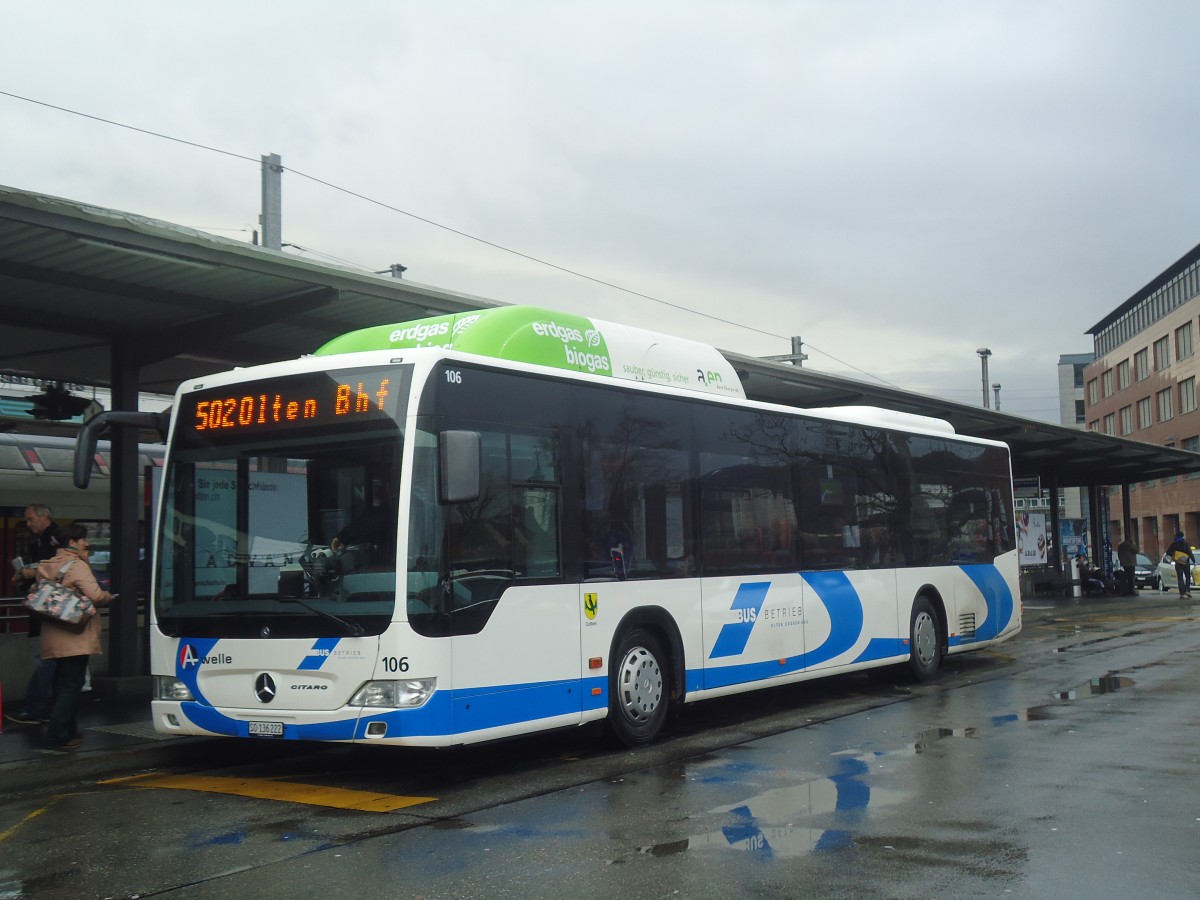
(203, 334)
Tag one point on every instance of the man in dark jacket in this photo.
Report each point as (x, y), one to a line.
(1181, 554)
(1127, 557)
(44, 545)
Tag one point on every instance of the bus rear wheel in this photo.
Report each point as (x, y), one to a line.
(639, 689)
(925, 641)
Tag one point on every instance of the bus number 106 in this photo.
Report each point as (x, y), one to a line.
(395, 663)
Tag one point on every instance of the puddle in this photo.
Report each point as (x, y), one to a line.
(931, 736)
(1099, 640)
(1137, 632)
(825, 814)
(1032, 714)
(1105, 684)
(816, 815)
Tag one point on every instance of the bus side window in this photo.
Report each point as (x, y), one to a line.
(479, 532)
(832, 537)
(536, 532)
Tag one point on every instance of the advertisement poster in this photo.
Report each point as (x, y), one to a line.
(1074, 537)
(1031, 538)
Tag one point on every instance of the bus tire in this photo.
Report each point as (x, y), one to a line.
(925, 641)
(639, 689)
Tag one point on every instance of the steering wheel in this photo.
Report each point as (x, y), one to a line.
(317, 564)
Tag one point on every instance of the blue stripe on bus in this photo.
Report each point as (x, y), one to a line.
(321, 650)
(883, 648)
(450, 712)
(445, 712)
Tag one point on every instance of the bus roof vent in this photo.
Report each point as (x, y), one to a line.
(558, 340)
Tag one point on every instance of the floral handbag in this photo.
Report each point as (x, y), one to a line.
(53, 600)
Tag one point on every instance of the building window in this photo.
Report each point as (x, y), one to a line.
(1080, 417)
(1183, 341)
(1162, 353)
(1164, 405)
(1079, 367)
(1141, 364)
(1145, 413)
(1094, 425)
(1187, 395)
(1123, 375)
(1093, 392)
(1126, 420)
(1110, 423)
(1191, 444)
(1107, 380)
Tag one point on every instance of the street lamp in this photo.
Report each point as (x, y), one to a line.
(996, 388)
(984, 353)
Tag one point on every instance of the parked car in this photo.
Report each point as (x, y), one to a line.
(1145, 573)
(1166, 573)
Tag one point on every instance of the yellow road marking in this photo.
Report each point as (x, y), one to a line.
(9, 832)
(266, 789)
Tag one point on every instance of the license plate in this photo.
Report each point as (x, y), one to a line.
(266, 729)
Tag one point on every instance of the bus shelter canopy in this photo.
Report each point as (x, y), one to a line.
(1058, 455)
(82, 286)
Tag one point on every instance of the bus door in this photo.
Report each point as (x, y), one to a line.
(514, 622)
(755, 609)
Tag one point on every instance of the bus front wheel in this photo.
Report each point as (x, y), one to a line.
(639, 689)
(925, 641)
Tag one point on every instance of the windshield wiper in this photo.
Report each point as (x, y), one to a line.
(352, 628)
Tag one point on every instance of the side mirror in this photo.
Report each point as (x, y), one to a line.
(460, 455)
(89, 434)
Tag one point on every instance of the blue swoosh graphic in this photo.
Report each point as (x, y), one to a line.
(734, 635)
(996, 595)
(845, 614)
(202, 648)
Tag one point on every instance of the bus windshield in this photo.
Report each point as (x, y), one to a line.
(284, 530)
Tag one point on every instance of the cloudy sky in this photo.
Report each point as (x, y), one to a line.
(899, 183)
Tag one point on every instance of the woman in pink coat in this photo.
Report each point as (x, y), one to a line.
(69, 644)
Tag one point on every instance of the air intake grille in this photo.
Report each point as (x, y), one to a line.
(966, 625)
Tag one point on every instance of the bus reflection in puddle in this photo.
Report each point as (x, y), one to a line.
(771, 824)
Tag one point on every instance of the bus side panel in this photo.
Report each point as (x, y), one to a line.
(853, 618)
(988, 603)
(606, 604)
(754, 629)
(523, 667)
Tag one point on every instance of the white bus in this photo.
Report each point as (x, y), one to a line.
(488, 524)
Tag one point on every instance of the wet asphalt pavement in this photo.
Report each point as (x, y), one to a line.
(1062, 764)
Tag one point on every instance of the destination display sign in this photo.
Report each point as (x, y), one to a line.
(312, 400)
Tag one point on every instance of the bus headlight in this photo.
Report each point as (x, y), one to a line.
(167, 687)
(405, 694)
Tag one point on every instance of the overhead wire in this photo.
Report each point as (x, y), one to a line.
(383, 205)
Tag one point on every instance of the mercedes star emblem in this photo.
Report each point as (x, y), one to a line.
(264, 688)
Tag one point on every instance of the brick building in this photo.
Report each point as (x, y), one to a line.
(1142, 386)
